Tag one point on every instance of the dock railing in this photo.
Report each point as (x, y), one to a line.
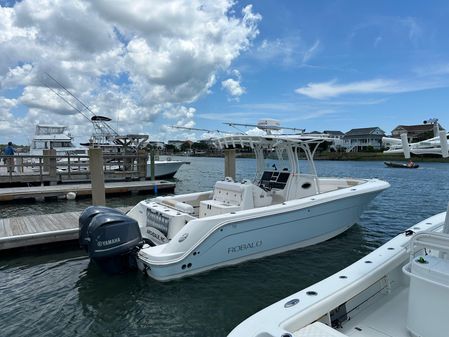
(52, 168)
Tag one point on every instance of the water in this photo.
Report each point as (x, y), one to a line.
(59, 293)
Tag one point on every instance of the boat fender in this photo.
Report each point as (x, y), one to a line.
(71, 196)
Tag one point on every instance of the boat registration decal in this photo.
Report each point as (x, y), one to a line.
(244, 246)
(158, 220)
(156, 236)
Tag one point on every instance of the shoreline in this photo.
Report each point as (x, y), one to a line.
(343, 156)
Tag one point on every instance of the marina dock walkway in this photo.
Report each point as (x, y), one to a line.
(60, 191)
(33, 230)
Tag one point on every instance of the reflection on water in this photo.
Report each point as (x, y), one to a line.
(61, 294)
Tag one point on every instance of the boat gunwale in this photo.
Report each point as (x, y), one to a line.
(311, 308)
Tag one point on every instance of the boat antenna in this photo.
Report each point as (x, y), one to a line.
(199, 129)
(267, 125)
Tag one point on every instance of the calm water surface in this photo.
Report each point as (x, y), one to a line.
(59, 293)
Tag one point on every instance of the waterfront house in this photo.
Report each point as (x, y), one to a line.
(176, 143)
(337, 136)
(158, 145)
(363, 139)
(334, 134)
(416, 133)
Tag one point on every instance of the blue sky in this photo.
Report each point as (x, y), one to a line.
(383, 63)
(318, 65)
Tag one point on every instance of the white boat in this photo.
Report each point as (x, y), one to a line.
(433, 145)
(436, 145)
(400, 290)
(165, 168)
(279, 210)
(58, 138)
(54, 137)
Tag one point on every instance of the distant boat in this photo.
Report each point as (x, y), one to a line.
(401, 165)
(58, 138)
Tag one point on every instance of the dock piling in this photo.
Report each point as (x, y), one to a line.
(97, 176)
(229, 163)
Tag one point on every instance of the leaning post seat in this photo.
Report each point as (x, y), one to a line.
(228, 197)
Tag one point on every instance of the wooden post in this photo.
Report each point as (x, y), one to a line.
(97, 176)
(19, 162)
(229, 163)
(152, 168)
(50, 164)
(142, 159)
(46, 160)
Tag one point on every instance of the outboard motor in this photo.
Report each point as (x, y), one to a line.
(86, 217)
(113, 240)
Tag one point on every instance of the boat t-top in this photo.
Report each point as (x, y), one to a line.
(282, 207)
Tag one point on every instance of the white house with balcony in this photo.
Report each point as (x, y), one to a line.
(363, 139)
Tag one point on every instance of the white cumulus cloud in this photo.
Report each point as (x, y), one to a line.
(136, 61)
(333, 89)
(233, 87)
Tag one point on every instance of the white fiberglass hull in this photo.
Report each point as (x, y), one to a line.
(247, 235)
(367, 299)
(164, 168)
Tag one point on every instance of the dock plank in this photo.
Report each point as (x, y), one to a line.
(40, 229)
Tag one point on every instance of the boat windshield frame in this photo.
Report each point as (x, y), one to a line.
(280, 144)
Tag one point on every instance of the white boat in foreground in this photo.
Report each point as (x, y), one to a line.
(399, 290)
(279, 210)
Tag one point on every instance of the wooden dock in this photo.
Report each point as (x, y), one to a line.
(61, 191)
(35, 230)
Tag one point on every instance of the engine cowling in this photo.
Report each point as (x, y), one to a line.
(113, 240)
(86, 217)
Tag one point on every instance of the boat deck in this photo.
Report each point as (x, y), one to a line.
(385, 317)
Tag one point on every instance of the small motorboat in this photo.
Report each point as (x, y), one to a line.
(279, 210)
(401, 165)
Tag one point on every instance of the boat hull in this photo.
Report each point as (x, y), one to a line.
(164, 168)
(249, 238)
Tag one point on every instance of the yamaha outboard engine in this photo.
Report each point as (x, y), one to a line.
(113, 240)
(86, 217)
